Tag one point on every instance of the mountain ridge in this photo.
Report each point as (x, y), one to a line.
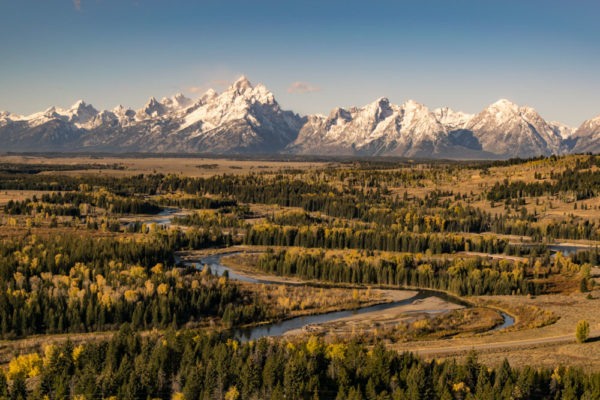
(247, 119)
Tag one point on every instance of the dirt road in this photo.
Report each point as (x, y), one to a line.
(428, 351)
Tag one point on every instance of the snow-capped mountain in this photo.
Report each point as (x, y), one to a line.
(564, 131)
(379, 128)
(176, 102)
(241, 119)
(247, 119)
(51, 129)
(452, 120)
(79, 114)
(508, 130)
(587, 137)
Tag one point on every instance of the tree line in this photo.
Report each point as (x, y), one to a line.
(376, 239)
(72, 283)
(195, 366)
(470, 276)
(582, 183)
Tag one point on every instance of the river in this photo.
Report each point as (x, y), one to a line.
(565, 249)
(282, 327)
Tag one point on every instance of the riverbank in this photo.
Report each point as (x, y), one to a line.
(404, 305)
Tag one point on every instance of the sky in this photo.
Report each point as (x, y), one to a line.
(313, 55)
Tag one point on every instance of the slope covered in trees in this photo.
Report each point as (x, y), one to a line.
(197, 366)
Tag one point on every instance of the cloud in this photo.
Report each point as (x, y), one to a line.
(303, 87)
(206, 86)
(77, 4)
(195, 89)
(218, 83)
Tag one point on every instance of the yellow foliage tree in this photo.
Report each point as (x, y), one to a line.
(162, 289)
(27, 365)
(313, 345)
(232, 394)
(178, 396)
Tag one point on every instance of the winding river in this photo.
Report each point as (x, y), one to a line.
(280, 328)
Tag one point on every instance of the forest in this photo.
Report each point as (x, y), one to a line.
(475, 276)
(117, 283)
(74, 284)
(199, 366)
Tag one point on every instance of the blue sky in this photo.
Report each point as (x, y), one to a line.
(464, 54)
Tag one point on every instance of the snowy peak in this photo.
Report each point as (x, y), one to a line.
(79, 104)
(81, 113)
(241, 118)
(378, 128)
(504, 104)
(6, 117)
(411, 109)
(246, 118)
(564, 131)
(589, 127)
(209, 94)
(240, 101)
(410, 104)
(242, 91)
(123, 113)
(420, 124)
(241, 85)
(587, 137)
(505, 129)
(376, 112)
(176, 102)
(152, 109)
(452, 120)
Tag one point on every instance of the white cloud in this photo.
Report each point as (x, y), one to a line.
(195, 89)
(303, 87)
(77, 4)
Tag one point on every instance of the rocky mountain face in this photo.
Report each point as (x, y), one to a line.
(248, 119)
(379, 129)
(587, 137)
(508, 130)
(242, 119)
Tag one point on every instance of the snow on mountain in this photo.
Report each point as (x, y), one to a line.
(242, 118)
(247, 119)
(452, 120)
(80, 113)
(587, 137)
(563, 130)
(379, 128)
(176, 102)
(152, 109)
(233, 104)
(6, 117)
(508, 130)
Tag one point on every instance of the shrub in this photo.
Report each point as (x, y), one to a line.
(583, 331)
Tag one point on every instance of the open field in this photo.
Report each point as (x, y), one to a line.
(17, 195)
(193, 166)
(544, 346)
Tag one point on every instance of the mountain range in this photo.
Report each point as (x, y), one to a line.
(247, 119)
